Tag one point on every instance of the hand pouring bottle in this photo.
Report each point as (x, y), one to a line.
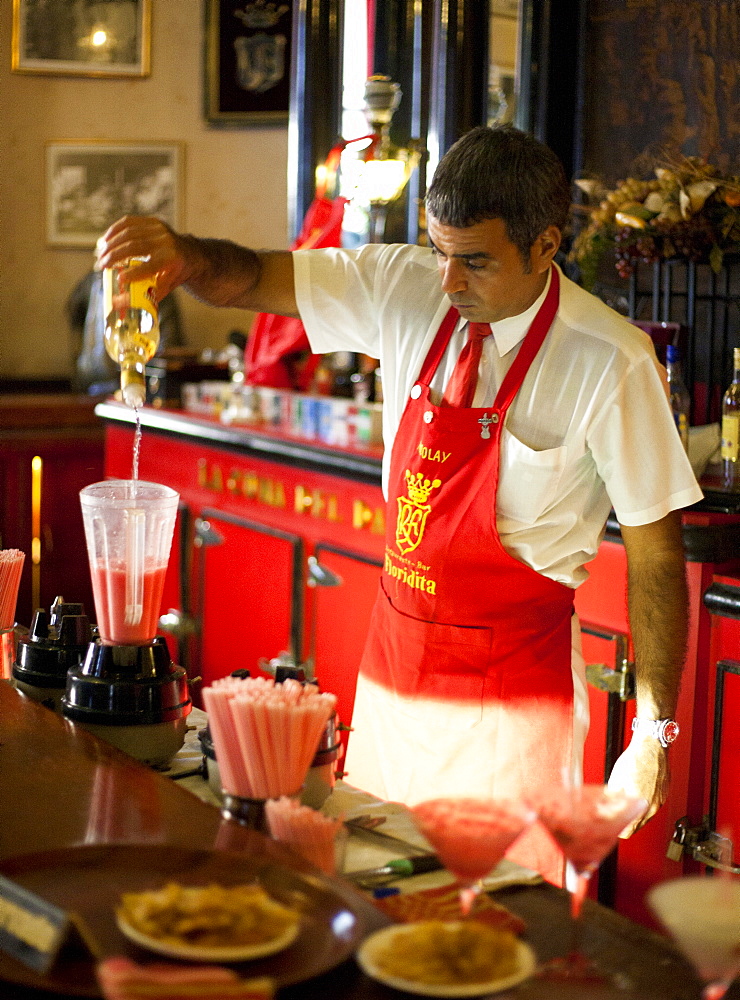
(131, 327)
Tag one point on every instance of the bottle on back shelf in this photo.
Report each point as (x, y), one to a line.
(680, 398)
(731, 428)
(131, 328)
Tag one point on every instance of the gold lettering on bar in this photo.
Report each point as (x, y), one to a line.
(317, 503)
(273, 493)
(244, 482)
(370, 518)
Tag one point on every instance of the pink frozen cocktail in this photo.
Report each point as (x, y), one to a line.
(586, 821)
(703, 915)
(471, 835)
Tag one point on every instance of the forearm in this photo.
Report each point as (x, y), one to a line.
(658, 614)
(223, 273)
(219, 272)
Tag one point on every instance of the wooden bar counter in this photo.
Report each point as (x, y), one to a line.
(64, 791)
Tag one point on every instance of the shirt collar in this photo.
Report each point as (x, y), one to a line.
(509, 332)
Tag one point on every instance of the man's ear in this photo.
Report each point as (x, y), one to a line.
(544, 249)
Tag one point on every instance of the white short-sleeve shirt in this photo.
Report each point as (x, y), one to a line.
(590, 428)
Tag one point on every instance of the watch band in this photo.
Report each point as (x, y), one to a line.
(663, 730)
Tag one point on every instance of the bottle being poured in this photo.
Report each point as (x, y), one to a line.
(131, 327)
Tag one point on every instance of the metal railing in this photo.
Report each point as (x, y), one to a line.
(706, 305)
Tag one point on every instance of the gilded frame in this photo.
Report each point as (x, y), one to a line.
(73, 38)
(90, 184)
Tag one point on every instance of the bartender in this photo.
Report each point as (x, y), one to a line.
(518, 411)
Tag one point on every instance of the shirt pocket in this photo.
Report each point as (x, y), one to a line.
(528, 479)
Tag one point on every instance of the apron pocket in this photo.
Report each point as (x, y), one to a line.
(437, 672)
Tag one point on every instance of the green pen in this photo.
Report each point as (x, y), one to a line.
(369, 878)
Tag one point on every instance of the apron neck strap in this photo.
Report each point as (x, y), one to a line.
(439, 345)
(530, 346)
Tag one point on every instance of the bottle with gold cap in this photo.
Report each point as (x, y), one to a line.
(131, 327)
(731, 430)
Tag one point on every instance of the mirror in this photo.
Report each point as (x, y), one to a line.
(503, 48)
(457, 64)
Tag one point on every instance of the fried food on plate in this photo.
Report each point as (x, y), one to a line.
(440, 953)
(211, 916)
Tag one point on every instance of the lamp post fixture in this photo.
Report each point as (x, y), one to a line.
(386, 169)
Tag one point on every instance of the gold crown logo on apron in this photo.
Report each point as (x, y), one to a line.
(413, 511)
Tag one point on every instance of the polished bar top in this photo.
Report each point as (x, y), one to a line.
(62, 787)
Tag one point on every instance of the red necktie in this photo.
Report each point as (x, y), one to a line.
(461, 386)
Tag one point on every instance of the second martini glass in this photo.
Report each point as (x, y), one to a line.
(585, 821)
(703, 916)
(471, 836)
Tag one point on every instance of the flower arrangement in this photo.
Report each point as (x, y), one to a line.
(687, 210)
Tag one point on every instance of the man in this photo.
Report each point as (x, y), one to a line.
(472, 680)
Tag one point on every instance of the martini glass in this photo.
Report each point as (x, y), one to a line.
(703, 916)
(585, 822)
(471, 836)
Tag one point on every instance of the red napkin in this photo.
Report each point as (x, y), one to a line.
(443, 903)
(122, 979)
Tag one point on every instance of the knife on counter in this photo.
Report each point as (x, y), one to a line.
(360, 825)
(372, 878)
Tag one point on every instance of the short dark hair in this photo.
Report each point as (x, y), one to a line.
(501, 173)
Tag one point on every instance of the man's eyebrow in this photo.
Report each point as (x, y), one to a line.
(478, 255)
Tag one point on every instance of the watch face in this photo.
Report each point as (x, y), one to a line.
(670, 731)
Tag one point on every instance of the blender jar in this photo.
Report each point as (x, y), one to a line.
(128, 529)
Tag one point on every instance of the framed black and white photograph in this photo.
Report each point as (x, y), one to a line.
(82, 37)
(91, 184)
(247, 62)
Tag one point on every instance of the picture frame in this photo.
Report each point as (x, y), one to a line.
(247, 62)
(90, 184)
(82, 37)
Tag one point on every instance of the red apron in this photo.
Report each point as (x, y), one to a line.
(465, 685)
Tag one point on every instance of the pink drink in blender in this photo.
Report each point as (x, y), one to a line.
(109, 590)
(128, 529)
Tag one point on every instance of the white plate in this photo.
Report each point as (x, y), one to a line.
(233, 953)
(526, 964)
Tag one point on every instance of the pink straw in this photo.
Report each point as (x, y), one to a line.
(265, 735)
(11, 567)
(230, 761)
(308, 832)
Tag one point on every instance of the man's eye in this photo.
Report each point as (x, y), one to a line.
(472, 266)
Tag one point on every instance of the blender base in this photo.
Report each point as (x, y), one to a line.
(134, 697)
(154, 744)
(50, 697)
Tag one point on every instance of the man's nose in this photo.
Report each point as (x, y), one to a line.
(454, 278)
